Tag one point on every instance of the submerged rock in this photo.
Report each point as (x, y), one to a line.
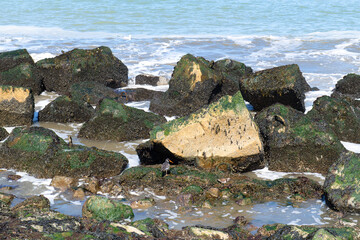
(150, 80)
(16, 106)
(295, 143)
(196, 82)
(222, 136)
(284, 84)
(17, 68)
(342, 118)
(101, 208)
(115, 121)
(65, 110)
(41, 152)
(79, 65)
(342, 183)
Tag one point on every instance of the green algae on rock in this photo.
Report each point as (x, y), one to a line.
(284, 84)
(342, 184)
(342, 118)
(78, 65)
(223, 135)
(65, 110)
(16, 106)
(118, 122)
(295, 143)
(101, 208)
(41, 152)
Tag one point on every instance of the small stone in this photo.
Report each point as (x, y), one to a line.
(226, 194)
(92, 185)
(14, 177)
(116, 190)
(63, 183)
(143, 203)
(244, 201)
(223, 180)
(206, 204)
(79, 193)
(106, 186)
(213, 192)
(241, 220)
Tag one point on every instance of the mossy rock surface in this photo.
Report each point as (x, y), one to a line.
(14, 58)
(16, 106)
(41, 152)
(118, 122)
(196, 82)
(342, 184)
(151, 227)
(222, 135)
(340, 115)
(65, 110)
(284, 84)
(295, 143)
(101, 208)
(79, 65)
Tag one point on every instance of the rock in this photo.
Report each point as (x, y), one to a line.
(209, 233)
(63, 183)
(79, 65)
(117, 122)
(93, 92)
(221, 136)
(195, 83)
(184, 199)
(41, 152)
(17, 68)
(150, 80)
(64, 110)
(152, 227)
(342, 118)
(241, 220)
(213, 192)
(342, 183)
(92, 185)
(101, 208)
(295, 143)
(14, 177)
(16, 106)
(284, 84)
(3, 133)
(6, 198)
(34, 203)
(141, 94)
(143, 203)
(349, 86)
(79, 194)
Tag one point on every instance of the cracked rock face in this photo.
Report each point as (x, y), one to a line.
(224, 134)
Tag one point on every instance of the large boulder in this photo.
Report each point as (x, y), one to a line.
(79, 65)
(295, 143)
(349, 86)
(284, 84)
(115, 121)
(93, 92)
(64, 110)
(224, 134)
(342, 183)
(343, 118)
(41, 152)
(17, 68)
(101, 208)
(195, 83)
(16, 106)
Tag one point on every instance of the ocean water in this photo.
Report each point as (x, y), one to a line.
(322, 37)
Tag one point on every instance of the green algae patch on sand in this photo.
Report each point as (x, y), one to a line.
(101, 208)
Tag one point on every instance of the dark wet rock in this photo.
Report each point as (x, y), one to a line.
(280, 231)
(41, 152)
(79, 65)
(34, 203)
(3, 133)
(295, 143)
(225, 125)
(17, 68)
(150, 80)
(6, 198)
(115, 121)
(284, 84)
(349, 86)
(141, 94)
(93, 92)
(101, 208)
(65, 110)
(14, 177)
(342, 183)
(342, 118)
(196, 83)
(190, 185)
(16, 106)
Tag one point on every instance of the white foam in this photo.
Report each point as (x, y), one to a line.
(143, 105)
(9, 129)
(133, 159)
(39, 56)
(265, 173)
(161, 88)
(295, 222)
(354, 147)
